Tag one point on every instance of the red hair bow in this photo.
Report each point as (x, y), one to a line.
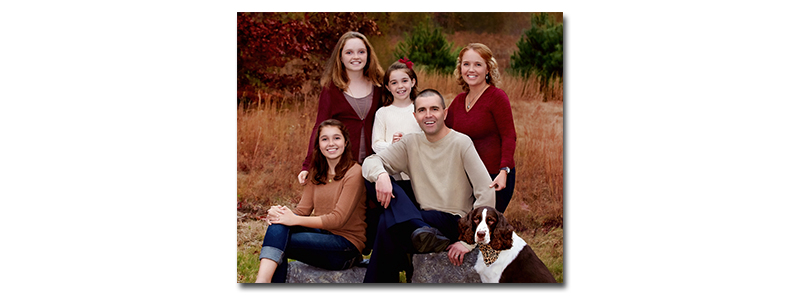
(406, 61)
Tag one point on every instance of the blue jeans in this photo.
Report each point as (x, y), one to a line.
(312, 246)
(503, 197)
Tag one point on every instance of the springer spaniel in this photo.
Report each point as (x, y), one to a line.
(506, 256)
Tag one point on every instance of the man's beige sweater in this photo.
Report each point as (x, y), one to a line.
(444, 174)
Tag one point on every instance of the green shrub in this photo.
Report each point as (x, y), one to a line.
(541, 49)
(428, 47)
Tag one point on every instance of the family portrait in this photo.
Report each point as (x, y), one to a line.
(400, 147)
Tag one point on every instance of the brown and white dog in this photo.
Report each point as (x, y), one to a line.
(507, 258)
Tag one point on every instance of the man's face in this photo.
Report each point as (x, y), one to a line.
(430, 114)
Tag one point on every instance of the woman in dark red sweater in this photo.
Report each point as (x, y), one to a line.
(483, 112)
(351, 89)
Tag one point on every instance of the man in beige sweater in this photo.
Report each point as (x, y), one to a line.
(448, 178)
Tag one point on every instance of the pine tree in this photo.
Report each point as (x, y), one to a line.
(428, 46)
(540, 49)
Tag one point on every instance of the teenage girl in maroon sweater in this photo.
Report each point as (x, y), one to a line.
(351, 89)
(483, 112)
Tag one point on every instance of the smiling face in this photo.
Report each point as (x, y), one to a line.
(430, 113)
(354, 55)
(473, 69)
(400, 84)
(331, 143)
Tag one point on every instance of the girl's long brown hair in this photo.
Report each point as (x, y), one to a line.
(319, 164)
(334, 69)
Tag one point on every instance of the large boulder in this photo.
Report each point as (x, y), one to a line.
(428, 268)
(303, 273)
(436, 268)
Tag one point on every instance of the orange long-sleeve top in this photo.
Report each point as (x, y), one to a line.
(340, 204)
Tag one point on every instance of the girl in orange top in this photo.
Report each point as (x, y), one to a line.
(334, 237)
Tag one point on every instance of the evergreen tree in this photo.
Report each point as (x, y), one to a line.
(540, 49)
(428, 46)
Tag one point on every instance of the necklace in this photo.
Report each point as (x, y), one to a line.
(357, 105)
(475, 98)
(361, 113)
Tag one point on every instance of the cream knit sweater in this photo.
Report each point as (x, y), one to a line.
(389, 120)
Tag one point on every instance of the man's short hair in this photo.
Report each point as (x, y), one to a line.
(427, 92)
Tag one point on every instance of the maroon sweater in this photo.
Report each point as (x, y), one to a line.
(333, 105)
(490, 125)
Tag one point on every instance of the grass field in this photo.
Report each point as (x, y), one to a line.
(273, 138)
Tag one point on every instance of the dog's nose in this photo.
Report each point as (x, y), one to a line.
(481, 234)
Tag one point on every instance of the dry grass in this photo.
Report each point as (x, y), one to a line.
(272, 142)
(538, 195)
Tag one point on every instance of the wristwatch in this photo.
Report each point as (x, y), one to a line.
(508, 170)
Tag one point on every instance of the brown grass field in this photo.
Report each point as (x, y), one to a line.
(272, 139)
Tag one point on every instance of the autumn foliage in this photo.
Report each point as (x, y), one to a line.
(280, 53)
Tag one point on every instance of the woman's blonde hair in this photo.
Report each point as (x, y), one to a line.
(334, 69)
(493, 71)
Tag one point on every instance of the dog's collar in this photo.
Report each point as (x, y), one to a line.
(489, 254)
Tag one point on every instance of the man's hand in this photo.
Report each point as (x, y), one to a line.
(456, 253)
(383, 190)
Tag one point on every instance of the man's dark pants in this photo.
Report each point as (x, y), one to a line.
(393, 234)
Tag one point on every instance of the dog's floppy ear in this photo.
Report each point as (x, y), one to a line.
(501, 235)
(465, 228)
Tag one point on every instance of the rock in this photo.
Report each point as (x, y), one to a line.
(436, 268)
(428, 268)
(303, 273)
